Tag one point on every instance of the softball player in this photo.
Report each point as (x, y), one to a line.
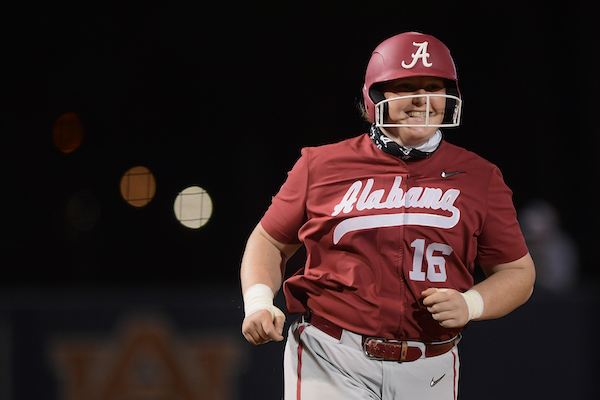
(393, 222)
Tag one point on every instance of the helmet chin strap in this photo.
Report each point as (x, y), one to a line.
(383, 142)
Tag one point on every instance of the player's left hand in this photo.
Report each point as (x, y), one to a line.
(447, 307)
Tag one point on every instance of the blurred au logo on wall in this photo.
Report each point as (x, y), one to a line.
(145, 359)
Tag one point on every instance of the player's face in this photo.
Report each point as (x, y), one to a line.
(412, 111)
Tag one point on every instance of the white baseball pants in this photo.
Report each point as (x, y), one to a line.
(320, 367)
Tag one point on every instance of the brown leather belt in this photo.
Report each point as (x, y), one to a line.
(383, 349)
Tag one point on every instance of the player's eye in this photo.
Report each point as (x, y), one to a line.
(434, 87)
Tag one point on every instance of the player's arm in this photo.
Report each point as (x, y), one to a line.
(506, 287)
(262, 270)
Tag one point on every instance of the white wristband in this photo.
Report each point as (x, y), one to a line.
(474, 303)
(260, 297)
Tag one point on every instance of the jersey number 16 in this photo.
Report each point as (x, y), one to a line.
(436, 264)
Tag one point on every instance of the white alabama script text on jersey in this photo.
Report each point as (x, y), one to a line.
(415, 197)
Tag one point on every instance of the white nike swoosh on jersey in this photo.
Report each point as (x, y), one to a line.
(435, 382)
(449, 174)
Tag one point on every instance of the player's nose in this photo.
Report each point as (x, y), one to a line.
(419, 100)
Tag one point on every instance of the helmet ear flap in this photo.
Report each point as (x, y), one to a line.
(377, 96)
(451, 104)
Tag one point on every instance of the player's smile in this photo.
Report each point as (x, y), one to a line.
(416, 117)
(417, 114)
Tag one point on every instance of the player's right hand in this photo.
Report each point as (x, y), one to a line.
(259, 328)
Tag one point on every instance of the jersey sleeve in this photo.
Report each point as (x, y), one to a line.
(501, 239)
(287, 212)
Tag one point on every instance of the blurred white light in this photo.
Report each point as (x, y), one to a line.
(193, 207)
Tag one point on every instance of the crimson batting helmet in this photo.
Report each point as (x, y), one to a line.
(406, 55)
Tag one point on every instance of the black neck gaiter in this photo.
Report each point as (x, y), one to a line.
(389, 146)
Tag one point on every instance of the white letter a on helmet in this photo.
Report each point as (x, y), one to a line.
(420, 53)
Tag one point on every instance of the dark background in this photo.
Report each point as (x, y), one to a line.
(223, 95)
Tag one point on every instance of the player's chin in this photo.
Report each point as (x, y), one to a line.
(416, 135)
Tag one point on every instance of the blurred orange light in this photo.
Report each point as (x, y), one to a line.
(138, 186)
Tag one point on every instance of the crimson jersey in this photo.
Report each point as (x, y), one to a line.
(378, 231)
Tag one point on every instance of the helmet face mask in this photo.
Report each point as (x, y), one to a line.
(410, 54)
(451, 114)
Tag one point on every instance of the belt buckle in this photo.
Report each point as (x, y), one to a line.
(403, 344)
(369, 355)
